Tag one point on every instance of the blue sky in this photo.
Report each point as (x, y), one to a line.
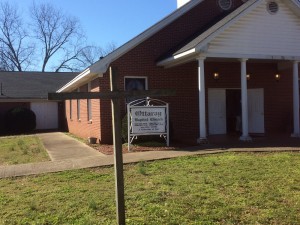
(106, 21)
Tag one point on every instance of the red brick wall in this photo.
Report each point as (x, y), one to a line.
(184, 116)
(141, 61)
(184, 113)
(83, 127)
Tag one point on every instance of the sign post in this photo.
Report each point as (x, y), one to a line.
(118, 156)
(115, 97)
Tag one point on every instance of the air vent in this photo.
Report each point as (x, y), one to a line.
(225, 4)
(272, 7)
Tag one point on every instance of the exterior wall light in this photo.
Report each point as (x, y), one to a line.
(277, 76)
(216, 76)
(248, 76)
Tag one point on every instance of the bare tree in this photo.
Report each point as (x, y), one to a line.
(60, 35)
(91, 54)
(15, 49)
(52, 41)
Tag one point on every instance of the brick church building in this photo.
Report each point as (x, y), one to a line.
(233, 63)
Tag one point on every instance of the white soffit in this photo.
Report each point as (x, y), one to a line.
(261, 34)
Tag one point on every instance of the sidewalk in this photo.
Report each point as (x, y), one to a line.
(61, 147)
(67, 154)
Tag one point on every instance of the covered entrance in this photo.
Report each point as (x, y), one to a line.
(225, 111)
(241, 37)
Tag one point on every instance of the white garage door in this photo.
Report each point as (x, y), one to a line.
(46, 115)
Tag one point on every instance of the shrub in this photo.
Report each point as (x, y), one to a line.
(20, 120)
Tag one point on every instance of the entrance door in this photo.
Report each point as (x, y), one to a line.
(225, 105)
(256, 111)
(217, 111)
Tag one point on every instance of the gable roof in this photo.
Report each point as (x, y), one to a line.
(202, 43)
(31, 85)
(100, 67)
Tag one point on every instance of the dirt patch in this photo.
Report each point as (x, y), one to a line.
(108, 149)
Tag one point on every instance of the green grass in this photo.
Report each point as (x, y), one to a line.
(22, 149)
(231, 188)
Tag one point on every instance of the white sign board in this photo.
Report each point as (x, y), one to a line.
(147, 117)
(147, 120)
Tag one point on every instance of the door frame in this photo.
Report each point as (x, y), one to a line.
(225, 116)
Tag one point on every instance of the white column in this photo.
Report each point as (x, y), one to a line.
(296, 99)
(245, 136)
(202, 109)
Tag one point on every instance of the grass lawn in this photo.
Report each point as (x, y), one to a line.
(22, 149)
(231, 188)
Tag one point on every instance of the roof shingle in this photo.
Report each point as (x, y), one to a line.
(32, 85)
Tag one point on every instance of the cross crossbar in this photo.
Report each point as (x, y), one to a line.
(110, 94)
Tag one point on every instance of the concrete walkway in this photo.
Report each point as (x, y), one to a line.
(61, 147)
(68, 154)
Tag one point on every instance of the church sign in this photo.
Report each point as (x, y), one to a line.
(148, 117)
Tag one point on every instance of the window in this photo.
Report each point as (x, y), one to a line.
(135, 84)
(71, 115)
(89, 105)
(78, 106)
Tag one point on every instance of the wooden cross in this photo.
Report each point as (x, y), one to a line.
(115, 95)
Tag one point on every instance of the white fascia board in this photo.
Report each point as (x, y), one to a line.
(172, 59)
(102, 65)
(84, 76)
(186, 53)
(219, 27)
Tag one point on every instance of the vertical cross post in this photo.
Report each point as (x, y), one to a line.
(118, 157)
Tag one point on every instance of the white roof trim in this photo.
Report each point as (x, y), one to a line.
(206, 36)
(170, 60)
(102, 65)
(73, 83)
